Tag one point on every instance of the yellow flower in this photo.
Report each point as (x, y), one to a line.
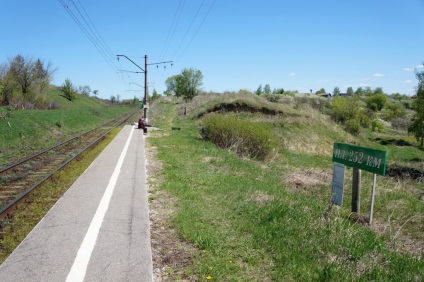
(231, 261)
(208, 277)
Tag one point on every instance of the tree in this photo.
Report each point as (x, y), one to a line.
(155, 95)
(368, 91)
(259, 90)
(29, 75)
(267, 89)
(22, 79)
(68, 90)
(417, 126)
(378, 90)
(84, 90)
(187, 84)
(95, 93)
(360, 91)
(112, 99)
(278, 91)
(321, 91)
(349, 90)
(336, 91)
(379, 100)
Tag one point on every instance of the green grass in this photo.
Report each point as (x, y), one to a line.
(26, 131)
(250, 223)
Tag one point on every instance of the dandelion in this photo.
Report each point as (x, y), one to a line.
(208, 277)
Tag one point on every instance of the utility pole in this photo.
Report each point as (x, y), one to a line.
(146, 88)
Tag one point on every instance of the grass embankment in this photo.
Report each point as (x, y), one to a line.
(24, 132)
(44, 197)
(270, 220)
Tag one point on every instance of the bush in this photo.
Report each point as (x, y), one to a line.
(377, 125)
(353, 126)
(245, 138)
(379, 99)
(401, 124)
(394, 111)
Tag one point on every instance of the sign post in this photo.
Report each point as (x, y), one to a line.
(360, 158)
(338, 183)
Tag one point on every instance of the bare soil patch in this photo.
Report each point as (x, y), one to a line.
(305, 180)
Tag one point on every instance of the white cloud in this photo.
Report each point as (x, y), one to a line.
(292, 74)
(378, 75)
(408, 69)
(407, 81)
(420, 66)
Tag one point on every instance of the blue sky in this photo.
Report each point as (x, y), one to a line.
(295, 45)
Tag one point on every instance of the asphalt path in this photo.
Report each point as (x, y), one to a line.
(99, 230)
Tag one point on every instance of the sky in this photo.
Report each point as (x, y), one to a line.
(296, 45)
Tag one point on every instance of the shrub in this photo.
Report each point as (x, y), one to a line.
(245, 138)
(401, 124)
(379, 99)
(353, 126)
(393, 111)
(377, 125)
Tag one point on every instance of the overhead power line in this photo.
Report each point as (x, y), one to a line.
(185, 34)
(92, 35)
(194, 35)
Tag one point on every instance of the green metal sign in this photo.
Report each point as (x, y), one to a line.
(360, 157)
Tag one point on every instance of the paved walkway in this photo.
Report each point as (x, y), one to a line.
(99, 230)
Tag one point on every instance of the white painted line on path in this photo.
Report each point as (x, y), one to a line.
(79, 268)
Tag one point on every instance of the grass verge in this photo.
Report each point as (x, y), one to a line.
(251, 222)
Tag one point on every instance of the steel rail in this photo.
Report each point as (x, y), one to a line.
(7, 210)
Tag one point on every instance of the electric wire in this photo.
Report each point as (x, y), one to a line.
(93, 34)
(194, 35)
(172, 29)
(84, 30)
(191, 24)
(97, 32)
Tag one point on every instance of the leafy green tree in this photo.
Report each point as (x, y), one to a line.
(112, 99)
(95, 93)
(336, 91)
(378, 90)
(350, 90)
(417, 126)
(278, 91)
(187, 84)
(68, 90)
(368, 91)
(259, 90)
(24, 79)
(155, 95)
(378, 99)
(267, 89)
(321, 91)
(360, 91)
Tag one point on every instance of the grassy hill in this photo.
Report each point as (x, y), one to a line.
(251, 220)
(25, 131)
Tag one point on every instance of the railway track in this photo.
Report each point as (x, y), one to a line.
(17, 180)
